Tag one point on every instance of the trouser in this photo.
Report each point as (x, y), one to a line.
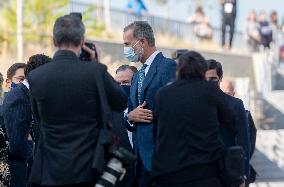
(88, 184)
(18, 170)
(142, 174)
(209, 182)
(228, 21)
(205, 175)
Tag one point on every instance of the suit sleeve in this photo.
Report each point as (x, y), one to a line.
(242, 137)
(155, 114)
(225, 114)
(116, 97)
(17, 119)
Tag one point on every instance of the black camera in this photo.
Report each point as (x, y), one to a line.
(86, 56)
(116, 167)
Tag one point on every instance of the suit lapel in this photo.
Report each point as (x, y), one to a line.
(151, 73)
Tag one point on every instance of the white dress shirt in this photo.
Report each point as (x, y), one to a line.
(25, 82)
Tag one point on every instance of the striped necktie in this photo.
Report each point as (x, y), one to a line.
(141, 77)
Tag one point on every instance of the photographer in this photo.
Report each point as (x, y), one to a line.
(65, 100)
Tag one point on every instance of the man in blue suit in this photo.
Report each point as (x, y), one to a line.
(156, 72)
(239, 135)
(19, 122)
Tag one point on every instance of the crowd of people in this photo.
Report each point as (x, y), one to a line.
(261, 32)
(172, 123)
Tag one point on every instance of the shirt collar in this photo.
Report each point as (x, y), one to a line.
(25, 82)
(150, 60)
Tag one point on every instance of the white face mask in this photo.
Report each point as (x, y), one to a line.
(130, 54)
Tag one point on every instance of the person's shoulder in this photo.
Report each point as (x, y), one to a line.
(94, 65)
(235, 102)
(39, 70)
(13, 93)
(166, 62)
(170, 87)
(14, 97)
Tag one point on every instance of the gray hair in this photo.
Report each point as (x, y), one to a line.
(142, 29)
(125, 67)
(68, 30)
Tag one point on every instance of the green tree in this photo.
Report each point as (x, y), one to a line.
(38, 19)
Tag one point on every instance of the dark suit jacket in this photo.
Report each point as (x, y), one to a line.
(161, 72)
(239, 135)
(17, 116)
(187, 114)
(66, 103)
(119, 128)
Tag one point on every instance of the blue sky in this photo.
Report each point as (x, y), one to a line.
(181, 9)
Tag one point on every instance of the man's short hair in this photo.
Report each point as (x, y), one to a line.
(125, 67)
(213, 64)
(68, 30)
(142, 29)
(36, 61)
(191, 65)
(12, 69)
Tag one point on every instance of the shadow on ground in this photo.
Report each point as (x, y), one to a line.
(273, 119)
(268, 171)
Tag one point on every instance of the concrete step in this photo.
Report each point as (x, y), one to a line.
(273, 110)
(268, 159)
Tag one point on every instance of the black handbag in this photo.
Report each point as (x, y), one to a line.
(233, 166)
(106, 139)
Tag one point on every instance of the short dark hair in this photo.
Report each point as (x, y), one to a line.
(12, 69)
(36, 61)
(191, 65)
(68, 30)
(142, 29)
(213, 64)
(125, 67)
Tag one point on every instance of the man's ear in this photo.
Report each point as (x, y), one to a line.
(8, 83)
(55, 43)
(143, 42)
(82, 42)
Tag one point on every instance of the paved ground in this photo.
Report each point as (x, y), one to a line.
(268, 159)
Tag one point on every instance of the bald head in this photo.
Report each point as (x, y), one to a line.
(227, 87)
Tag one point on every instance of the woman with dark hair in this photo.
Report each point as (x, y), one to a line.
(186, 130)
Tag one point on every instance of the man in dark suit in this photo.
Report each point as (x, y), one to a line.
(15, 75)
(237, 136)
(156, 72)
(123, 77)
(17, 116)
(65, 100)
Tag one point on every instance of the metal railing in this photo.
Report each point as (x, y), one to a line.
(181, 30)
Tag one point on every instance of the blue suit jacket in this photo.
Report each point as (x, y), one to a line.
(240, 135)
(17, 116)
(161, 72)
